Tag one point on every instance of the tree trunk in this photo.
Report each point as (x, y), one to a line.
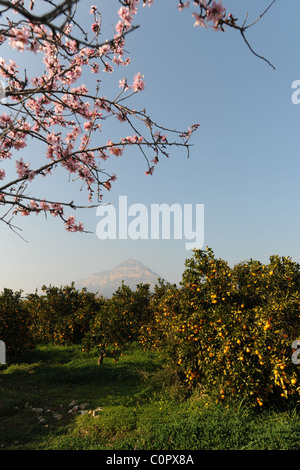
(100, 358)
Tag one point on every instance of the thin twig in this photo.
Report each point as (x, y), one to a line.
(255, 53)
(260, 17)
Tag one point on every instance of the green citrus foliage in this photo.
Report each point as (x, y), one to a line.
(14, 323)
(119, 320)
(231, 329)
(61, 315)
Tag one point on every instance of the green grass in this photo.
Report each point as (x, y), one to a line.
(143, 404)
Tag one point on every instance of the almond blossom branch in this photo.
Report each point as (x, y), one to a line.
(213, 14)
(67, 119)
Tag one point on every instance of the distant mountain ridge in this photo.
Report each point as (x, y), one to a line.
(131, 271)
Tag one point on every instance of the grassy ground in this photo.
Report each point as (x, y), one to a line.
(138, 403)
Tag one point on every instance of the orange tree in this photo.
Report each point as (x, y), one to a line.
(14, 323)
(61, 315)
(164, 310)
(231, 329)
(119, 320)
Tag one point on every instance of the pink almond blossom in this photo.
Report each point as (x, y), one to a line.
(215, 12)
(138, 83)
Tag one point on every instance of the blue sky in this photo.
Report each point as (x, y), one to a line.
(244, 163)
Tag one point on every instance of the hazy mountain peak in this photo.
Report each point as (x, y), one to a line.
(131, 271)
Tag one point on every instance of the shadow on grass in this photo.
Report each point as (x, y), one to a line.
(61, 367)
